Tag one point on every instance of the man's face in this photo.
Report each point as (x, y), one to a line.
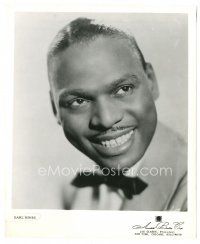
(104, 101)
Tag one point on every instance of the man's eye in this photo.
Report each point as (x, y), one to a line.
(79, 102)
(125, 90)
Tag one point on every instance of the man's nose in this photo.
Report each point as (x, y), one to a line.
(105, 114)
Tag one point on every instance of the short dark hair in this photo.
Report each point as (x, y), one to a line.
(84, 30)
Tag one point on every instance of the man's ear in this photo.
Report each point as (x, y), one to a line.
(153, 85)
(55, 112)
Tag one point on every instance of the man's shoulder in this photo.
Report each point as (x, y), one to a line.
(170, 148)
(171, 138)
(166, 161)
(167, 152)
(69, 192)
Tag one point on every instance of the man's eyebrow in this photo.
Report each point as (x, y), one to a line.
(108, 88)
(124, 78)
(75, 92)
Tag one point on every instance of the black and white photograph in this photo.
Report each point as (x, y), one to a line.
(103, 123)
(111, 87)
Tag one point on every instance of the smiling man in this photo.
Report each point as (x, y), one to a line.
(103, 95)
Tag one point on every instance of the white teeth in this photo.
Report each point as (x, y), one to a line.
(118, 141)
(104, 143)
(107, 144)
(113, 143)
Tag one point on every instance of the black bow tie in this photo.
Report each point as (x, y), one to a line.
(129, 185)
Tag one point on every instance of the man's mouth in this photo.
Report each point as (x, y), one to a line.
(117, 141)
(114, 143)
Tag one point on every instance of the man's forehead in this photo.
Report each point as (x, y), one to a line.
(99, 55)
(118, 46)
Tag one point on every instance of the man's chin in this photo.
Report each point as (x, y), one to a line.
(115, 164)
(118, 162)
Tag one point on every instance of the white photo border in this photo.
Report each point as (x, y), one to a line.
(99, 224)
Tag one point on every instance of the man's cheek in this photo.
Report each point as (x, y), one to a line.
(73, 128)
(70, 128)
(72, 134)
(146, 111)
